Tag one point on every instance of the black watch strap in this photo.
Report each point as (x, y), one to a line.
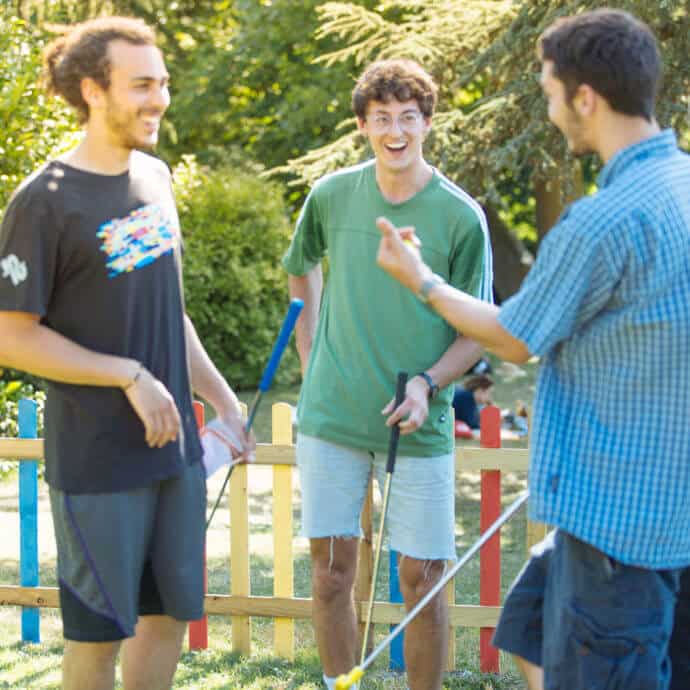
(433, 386)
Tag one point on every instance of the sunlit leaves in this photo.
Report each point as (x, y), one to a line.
(32, 126)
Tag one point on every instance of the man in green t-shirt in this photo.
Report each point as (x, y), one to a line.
(354, 340)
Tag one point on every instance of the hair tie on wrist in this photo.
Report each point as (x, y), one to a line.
(135, 378)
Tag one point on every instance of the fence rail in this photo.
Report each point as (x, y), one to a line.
(461, 615)
(284, 607)
(467, 459)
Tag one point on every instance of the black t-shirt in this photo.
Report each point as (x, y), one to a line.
(96, 256)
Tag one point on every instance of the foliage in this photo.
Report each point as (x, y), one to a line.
(254, 72)
(426, 32)
(236, 231)
(518, 206)
(249, 66)
(257, 83)
(493, 118)
(12, 390)
(34, 128)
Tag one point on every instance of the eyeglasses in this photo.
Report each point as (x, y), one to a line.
(407, 121)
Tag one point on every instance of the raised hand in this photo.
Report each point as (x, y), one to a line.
(399, 255)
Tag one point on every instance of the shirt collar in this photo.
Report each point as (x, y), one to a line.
(663, 143)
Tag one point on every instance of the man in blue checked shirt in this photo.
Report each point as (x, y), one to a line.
(607, 309)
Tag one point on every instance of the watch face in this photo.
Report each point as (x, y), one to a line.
(424, 291)
(428, 285)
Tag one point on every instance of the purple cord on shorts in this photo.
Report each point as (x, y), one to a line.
(76, 595)
(92, 565)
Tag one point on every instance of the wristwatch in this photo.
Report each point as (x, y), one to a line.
(433, 387)
(427, 286)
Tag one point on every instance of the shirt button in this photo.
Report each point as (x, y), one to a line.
(554, 482)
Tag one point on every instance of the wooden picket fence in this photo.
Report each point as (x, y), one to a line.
(283, 606)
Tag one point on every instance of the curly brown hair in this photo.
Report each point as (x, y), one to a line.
(401, 79)
(82, 51)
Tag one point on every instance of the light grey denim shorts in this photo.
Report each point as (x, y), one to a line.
(421, 507)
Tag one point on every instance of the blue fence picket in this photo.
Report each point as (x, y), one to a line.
(397, 661)
(28, 522)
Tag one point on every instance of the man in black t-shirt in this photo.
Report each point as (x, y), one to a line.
(91, 299)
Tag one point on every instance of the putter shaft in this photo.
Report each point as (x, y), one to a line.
(374, 576)
(400, 388)
(509, 512)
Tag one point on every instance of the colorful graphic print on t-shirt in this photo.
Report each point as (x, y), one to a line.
(137, 240)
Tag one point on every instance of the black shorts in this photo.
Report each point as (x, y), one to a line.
(131, 553)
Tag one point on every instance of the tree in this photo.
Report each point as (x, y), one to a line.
(261, 91)
(245, 84)
(34, 127)
(491, 128)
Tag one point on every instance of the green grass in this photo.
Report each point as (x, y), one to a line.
(38, 666)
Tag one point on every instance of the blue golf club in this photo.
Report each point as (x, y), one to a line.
(266, 381)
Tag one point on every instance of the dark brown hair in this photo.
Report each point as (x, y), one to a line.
(82, 51)
(611, 51)
(403, 80)
(481, 382)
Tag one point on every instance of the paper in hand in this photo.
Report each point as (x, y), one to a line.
(221, 447)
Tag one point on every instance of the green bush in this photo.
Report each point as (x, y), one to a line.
(33, 128)
(12, 390)
(235, 231)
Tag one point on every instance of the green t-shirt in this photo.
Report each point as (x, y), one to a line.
(370, 326)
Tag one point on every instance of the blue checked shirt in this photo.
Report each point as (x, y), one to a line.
(607, 308)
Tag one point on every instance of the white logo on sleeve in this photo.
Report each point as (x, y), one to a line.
(14, 269)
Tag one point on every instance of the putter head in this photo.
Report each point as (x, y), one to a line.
(349, 679)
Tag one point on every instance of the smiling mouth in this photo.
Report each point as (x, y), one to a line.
(396, 147)
(151, 119)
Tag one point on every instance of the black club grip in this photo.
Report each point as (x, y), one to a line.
(395, 431)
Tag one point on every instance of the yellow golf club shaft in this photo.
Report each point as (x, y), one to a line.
(348, 679)
(400, 388)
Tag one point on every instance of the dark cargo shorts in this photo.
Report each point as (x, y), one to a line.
(131, 553)
(594, 623)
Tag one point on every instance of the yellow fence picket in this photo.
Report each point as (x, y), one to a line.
(239, 555)
(283, 574)
(536, 531)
